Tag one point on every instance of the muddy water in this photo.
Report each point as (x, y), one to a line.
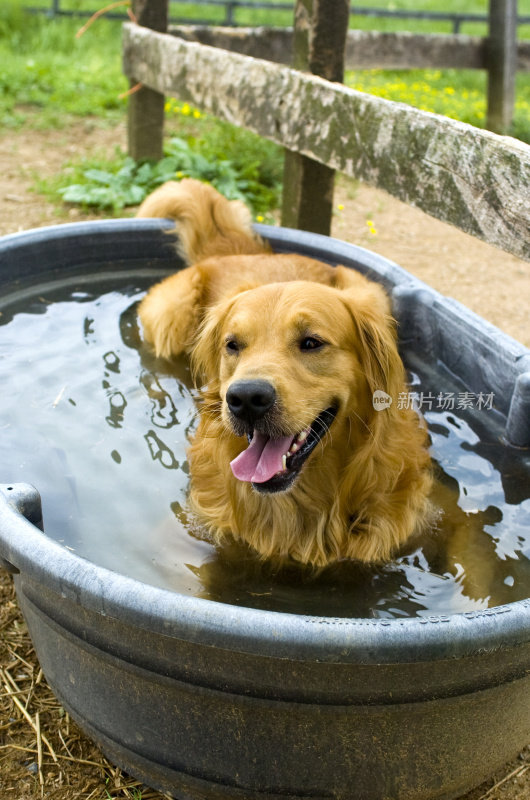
(100, 427)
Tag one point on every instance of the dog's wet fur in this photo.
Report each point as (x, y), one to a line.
(290, 455)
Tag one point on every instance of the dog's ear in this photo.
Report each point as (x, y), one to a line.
(171, 312)
(208, 345)
(375, 329)
(206, 351)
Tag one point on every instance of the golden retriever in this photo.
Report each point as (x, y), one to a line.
(290, 455)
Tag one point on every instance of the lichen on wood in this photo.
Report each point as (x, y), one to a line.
(471, 178)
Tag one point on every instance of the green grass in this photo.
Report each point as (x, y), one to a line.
(459, 94)
(47, 74)
(425, 26)
(216, 15)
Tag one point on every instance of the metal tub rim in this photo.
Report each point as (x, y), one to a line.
(27, 550)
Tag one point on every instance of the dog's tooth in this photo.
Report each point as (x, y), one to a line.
(302, 436)
(284, 461)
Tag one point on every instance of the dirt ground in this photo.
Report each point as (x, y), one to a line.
(42, 752)
(492, 283)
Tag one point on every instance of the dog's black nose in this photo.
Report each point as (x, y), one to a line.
(250, 400)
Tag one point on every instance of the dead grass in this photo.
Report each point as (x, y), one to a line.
(43, 754)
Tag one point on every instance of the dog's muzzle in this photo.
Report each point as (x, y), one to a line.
(272, 461)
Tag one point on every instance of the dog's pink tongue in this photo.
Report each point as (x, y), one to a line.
(262, 459)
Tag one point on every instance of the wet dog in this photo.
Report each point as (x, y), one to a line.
(290, 455)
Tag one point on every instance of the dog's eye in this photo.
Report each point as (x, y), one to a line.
(310, 343)
(232, 346)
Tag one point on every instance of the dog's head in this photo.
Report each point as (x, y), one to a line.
(294, 366)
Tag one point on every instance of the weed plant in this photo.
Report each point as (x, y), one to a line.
(122, 182)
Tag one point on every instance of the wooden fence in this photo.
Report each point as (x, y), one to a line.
(364, 49)
(474, 179)
(499, 53)
(230, 9)
(378, 50)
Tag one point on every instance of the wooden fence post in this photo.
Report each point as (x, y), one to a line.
(502, 64)
(319, 42)
(145, 121)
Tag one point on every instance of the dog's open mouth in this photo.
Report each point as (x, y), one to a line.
(273, 464)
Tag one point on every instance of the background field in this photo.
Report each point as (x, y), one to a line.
(50, 77)
(183, 11)
(46, 68)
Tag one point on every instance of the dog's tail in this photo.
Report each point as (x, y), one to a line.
(207, 223)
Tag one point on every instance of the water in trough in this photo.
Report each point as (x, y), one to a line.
(100, 427)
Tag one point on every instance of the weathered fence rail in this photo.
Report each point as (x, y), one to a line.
(364, 49)
(473, 179)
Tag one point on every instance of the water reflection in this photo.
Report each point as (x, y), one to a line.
(163, 410)
(118, 404)
(160, 451)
